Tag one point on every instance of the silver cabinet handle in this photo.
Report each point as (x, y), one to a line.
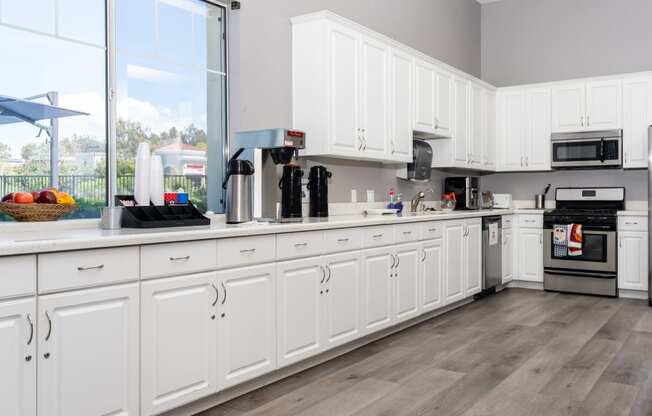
(342, 240)
(393, 261)
(540, 238)
(364, 140)
(393, 147)
(582, 120)
(398, 261)
(527, 161)
(588, 121)
(620, 242)
(301, 245)
(432, 230)
(323, 275)
(521, 161)
(631, 223)
(330, 272)
(85, 269)
(47, 315)
(217, 295)
(423, 257)
(359, 140)
(224, 290)
(250, 250)
(407, 232)
(31, 329)
(184, 258)
(377, 235)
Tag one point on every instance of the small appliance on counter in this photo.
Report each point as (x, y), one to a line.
(466, 189)
(420, 168)
(318, 190)
(239, 205)
(270, 151)
(503, 201)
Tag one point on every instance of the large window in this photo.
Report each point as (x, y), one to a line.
(169, 78)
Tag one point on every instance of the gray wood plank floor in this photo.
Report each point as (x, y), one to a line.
(521, 352)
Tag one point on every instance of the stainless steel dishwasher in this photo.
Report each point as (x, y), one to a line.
(492, 254)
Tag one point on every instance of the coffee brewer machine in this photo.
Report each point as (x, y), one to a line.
(277, 176)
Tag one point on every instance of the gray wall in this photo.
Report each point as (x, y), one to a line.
(260, 94)
(527, 41)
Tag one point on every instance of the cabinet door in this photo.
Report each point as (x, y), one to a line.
(17, 357)
(432, 271)
(568, 107)
(424, 93)
(632, 260)
(376, 299)
(344, 91)
(473, 257)
(637, 111)
(488, 129)
(342, 298)
(530, 253)
(537, 153)
(604, 102)
(443, 103)
(179, 341)
(475, 131)
(88, 352)
(508, 255)
(406, 276)
(454, 261)
(300, 288)
(512, 130)
(401, 106)
(247, 325)
(461, 130)
(375, 97)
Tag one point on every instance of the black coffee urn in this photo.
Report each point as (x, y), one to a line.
(318, 189)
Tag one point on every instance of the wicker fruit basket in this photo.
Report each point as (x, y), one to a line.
(35, 212)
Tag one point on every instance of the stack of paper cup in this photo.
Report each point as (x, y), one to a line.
(156, 187)
(141, 184)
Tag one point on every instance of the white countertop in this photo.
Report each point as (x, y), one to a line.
(30, 242)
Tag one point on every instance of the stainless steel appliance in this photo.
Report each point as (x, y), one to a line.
(421, 166)
(466, 189)
(593, 272)
(492, 253)
(269, 150)
(582, 150)
(239, 203)
(649, 204)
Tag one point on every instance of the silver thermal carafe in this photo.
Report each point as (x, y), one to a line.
(238, 185)
(270, 151)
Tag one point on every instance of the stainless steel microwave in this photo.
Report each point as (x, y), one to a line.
(591, 149)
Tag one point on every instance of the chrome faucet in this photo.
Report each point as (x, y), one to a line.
(416, 200)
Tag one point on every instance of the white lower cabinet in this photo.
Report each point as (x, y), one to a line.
(530, 254)
(299, 311)
(17, 357)
(406, 278)
(88, 352)
(246, 342)
(463, 259)
(431, 275)
(179, 341)
(633, 260)
(376, 300)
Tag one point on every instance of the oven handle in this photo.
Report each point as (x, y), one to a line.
(594, 229)
(581, 274)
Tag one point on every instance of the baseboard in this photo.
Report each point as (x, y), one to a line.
(206, 403)
(524, 284)
(632, 294)
(622, 293)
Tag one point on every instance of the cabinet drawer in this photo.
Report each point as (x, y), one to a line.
(77, 269)
(18, 276)
(405, 233)
(177, 258)
(430, 230)
(295, 245)
(243, 251)
(344, 239)
(530, 221)
(632, 224)
(378, 236)
(508, 221)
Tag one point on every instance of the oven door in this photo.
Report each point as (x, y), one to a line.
(598, 253)
(586, 153)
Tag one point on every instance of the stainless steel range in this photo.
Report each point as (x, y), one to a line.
(594, 270)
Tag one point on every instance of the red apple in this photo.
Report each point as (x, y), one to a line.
(47, 197)
(23, 198)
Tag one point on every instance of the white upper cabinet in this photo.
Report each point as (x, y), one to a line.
(488, 129)
(637, 112)
(475, 144)
(88, 352)
(18, 357)
(374, 103)
(537, 155)
(443, 101)
(425, 97)
(401, 108)
(461, 125)
(584, 106)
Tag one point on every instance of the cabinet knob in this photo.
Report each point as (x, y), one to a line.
(46, 355)
(28, 358)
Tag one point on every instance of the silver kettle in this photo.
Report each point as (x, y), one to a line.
(238, 185)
